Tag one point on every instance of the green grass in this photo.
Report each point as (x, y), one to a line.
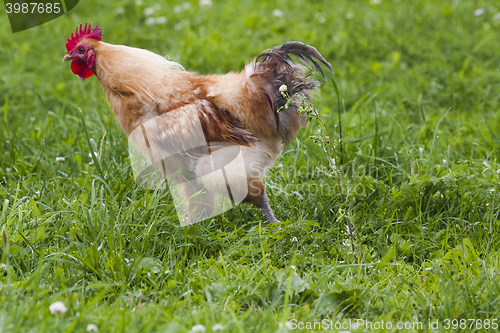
(419, 81)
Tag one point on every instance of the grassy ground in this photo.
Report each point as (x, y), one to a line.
(421, 137)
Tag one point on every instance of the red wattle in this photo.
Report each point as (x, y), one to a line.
(81, 69)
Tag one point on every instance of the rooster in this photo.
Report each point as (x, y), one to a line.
(203, 122)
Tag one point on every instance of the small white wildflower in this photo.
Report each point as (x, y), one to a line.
(479, 12)
(32, 118)
(277, 13)
(138, 2)
(59, 159)
(349, 16)
(496, 17)
(161, 20)
(400, 275)
(488, 204)
(58, 307)
(149, 11)
(283, 88)
(492, 190)
(206, 3)
(341, 262)
(37, 193)
(421, 150)
(498, 171)
(8, 169)
(217, 327)
(294, 239)
(182, 23)
(320, 18)
(287, 325)
(198, 328)
(428, 269)
(149, 21)
(177, 9)
(92, 328)
(2, 267)
(120, 10)
(96, 153)
(293, 267)
(375, 2)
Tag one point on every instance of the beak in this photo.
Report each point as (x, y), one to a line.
(68, 57)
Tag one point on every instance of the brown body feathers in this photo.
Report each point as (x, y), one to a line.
(236, 108)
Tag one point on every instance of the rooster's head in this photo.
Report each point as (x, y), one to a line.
(80, 52)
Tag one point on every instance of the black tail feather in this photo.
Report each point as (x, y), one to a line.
(278, 68)
(306, 53)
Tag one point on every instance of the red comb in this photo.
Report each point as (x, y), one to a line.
(83, 33)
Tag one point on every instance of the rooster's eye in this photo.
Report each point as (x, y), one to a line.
(81, 50)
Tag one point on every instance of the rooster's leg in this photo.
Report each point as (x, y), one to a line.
(268, 210)
(257, 196)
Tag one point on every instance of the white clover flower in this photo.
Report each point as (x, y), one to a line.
(287, 325)
(198, 328)
(120, 10)
(161, 20)
(149, 11)
(205, 3)
(479, 12)
(59, 159)
(217, 327)
(283, 88)
(277, 13)
(58, 307)
(92, 328)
